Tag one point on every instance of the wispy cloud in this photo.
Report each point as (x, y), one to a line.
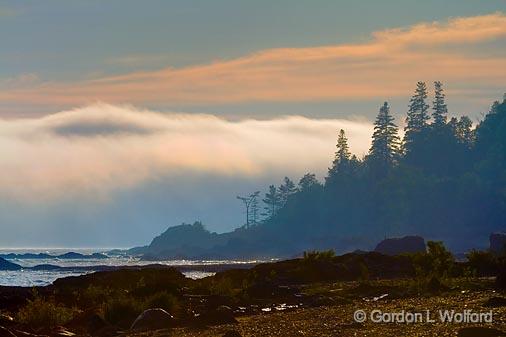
(385, 66)
(99, 148)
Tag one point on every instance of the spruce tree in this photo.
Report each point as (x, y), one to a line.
(418, 116)
(343, 161)
(385, 139)
(272, 202)
(285, 190)
(464, 131)
(307, 182)
(439, 106)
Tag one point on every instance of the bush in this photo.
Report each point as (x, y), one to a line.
(316, 255)
(165, 301)
(442, 261)
(438, 261)
(223, 287)
(482, 263)
(122, 310)
(41, 313)
(94, 296)
(432, 268)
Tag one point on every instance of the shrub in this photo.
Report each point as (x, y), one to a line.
(482, 263)
(432, 268)
(122, 310)
(316, 255)
(94, 295)
(223, 287)
(441, 259)
(41, 313)
(438, 261)
(165, 301)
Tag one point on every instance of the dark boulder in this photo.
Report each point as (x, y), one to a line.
(6, 265)
(498, 243)
(153, 319)
(476, 331)
(406, 244)
(220, 315)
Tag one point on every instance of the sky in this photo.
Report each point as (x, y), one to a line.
(121, 118)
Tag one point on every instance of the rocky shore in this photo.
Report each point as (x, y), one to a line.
(316, 295)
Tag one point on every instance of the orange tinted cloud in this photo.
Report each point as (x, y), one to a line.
(385, 66)
(96, 149)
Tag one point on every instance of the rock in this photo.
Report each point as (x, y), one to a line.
(6, 265)
(221, 315)
(153, 319)
(479, 332)
(495, 302)
(498, 243)
(232, 333)
(406, 244)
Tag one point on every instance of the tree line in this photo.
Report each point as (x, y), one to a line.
(442, 178)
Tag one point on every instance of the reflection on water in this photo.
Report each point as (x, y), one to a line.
(27, 277)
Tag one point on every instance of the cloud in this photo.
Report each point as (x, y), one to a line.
(94, 150)
(385, 66)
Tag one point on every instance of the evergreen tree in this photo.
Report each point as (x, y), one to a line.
(417, 118)
(285, 190)
(342, 156)
(272, 202)
(439, 105)
(464, 131)
(385, 140)
(307, 182)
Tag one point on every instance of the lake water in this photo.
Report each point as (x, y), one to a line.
(28, 278)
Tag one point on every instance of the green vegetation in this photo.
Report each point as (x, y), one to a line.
(44, 313)
(317, 255)
(122, 310)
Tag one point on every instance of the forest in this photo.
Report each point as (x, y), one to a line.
(445, 179)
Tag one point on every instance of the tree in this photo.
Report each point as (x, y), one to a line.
(439, 106)
(272, 202)
(385, 140)
(254, 209)
(342, 156)
(307, 182)
(285, 190)
(251, 205)
(417, 118)
(464, 131)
